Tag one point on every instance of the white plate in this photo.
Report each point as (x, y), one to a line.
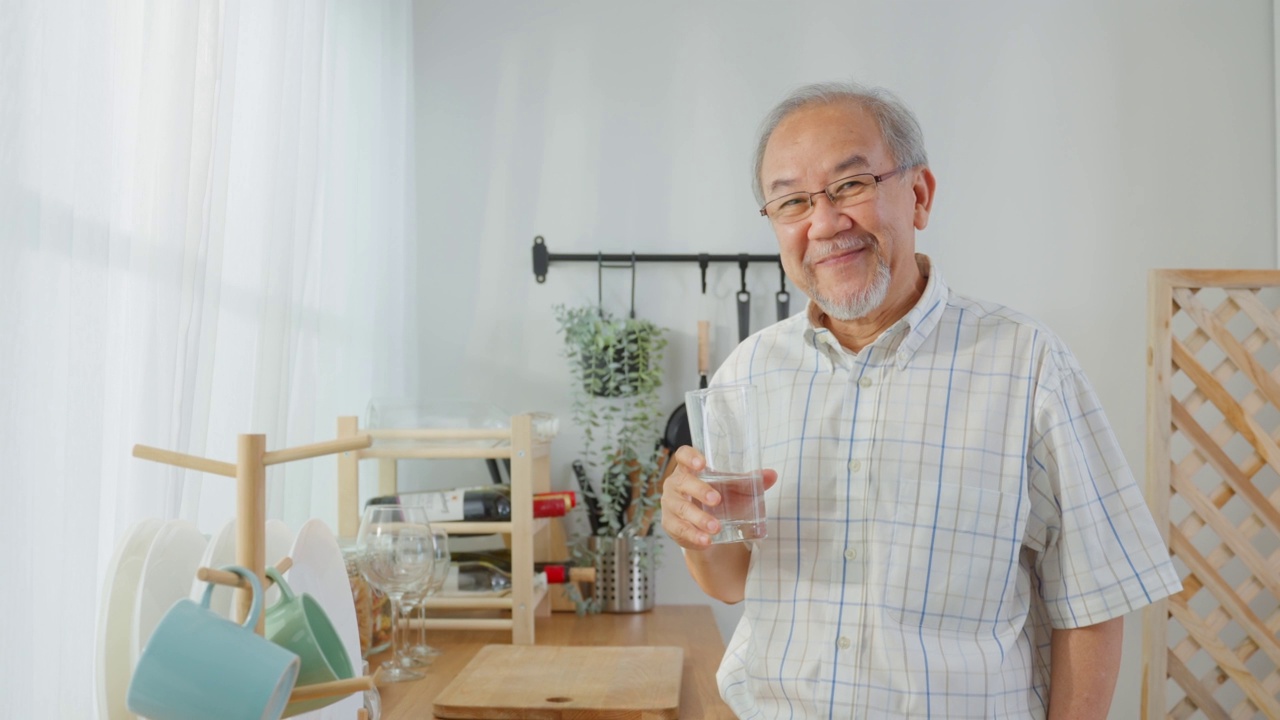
(320, 571)
(113, 669)
(221, 551)
(166, 578)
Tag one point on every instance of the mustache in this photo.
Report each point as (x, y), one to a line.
(841, 243)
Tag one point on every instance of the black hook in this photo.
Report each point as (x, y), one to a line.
(703, 261)
(742, 265)
(633, 285)
(600, 283)
(782, 297)
(600, 266)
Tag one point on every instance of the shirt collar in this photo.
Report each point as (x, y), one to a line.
(919, 321)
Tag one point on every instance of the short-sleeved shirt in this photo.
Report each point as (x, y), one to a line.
(945, 498)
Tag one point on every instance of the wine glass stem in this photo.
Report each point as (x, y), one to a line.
(422, 627)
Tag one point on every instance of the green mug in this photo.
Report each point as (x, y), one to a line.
(298, 624)
(200, 666)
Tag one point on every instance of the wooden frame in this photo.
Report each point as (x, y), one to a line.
(530, 473)
(250, 472)
(1226, 656)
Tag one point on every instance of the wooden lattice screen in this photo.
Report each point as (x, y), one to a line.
(1213, 483)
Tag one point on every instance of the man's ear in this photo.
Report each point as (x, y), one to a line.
(923, 187)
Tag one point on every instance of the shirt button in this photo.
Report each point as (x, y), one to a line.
(855, 465)
(865, 382)
(844, 643)
(850, 554)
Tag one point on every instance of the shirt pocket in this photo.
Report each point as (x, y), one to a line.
(952, 556)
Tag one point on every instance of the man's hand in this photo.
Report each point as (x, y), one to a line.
(683, 495)
(720, 570)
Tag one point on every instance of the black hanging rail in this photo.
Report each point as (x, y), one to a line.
(542, 259)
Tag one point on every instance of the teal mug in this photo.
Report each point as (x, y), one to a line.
(298, 624)
(200, 666)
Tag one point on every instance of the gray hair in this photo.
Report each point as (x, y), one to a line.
(898, 125)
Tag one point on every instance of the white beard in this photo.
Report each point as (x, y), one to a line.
(858, 304)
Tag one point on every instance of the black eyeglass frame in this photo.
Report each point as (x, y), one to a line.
(827, 190)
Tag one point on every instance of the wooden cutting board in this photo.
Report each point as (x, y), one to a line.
(545, 682)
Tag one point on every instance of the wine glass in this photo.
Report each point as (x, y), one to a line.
(439, 572)
(419, 654)
(395, 549)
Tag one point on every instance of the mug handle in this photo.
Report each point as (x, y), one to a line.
(286, 592)
(255, 610)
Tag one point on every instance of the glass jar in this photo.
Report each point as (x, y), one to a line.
(381, 621)
(363, 595)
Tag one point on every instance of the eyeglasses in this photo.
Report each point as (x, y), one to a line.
(845, 192)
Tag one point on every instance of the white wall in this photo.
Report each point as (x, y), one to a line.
(1076, 146)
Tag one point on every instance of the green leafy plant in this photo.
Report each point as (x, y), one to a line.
(616, 365)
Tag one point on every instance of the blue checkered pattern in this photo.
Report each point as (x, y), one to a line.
(946, 497)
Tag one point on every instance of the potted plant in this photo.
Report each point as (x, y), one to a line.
(615, 363)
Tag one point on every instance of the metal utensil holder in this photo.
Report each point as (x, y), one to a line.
(625, 573)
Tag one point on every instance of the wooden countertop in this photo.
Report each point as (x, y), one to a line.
(692, 627)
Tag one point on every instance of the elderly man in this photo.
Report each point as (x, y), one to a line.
(953, 531)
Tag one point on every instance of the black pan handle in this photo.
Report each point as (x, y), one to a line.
(744, 314)
(704, 352)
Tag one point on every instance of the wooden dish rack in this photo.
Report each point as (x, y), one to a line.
(530, 472)
(250, 472)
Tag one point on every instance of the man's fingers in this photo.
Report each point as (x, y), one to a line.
(683, 495)
(689, 457)
(685, 534)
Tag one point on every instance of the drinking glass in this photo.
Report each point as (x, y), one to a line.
(396, 551)
(723, 425)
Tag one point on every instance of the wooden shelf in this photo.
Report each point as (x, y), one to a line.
(530, 473)
(435, 453)
(500, 602)
(485, 528)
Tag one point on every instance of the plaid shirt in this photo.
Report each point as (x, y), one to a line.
(946, 497)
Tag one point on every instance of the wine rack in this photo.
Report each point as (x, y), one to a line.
(530, 473)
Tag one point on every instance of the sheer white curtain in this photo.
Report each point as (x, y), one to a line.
(206, 228)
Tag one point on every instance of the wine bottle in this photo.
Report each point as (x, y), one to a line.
(476, 578)
(488, 503)
(558, 572)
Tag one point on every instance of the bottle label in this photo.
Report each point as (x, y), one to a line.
(441, 506)
(484, 503)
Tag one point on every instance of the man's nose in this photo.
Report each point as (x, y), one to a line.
(826, 219)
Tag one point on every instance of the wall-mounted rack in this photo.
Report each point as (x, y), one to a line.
(542, 259)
